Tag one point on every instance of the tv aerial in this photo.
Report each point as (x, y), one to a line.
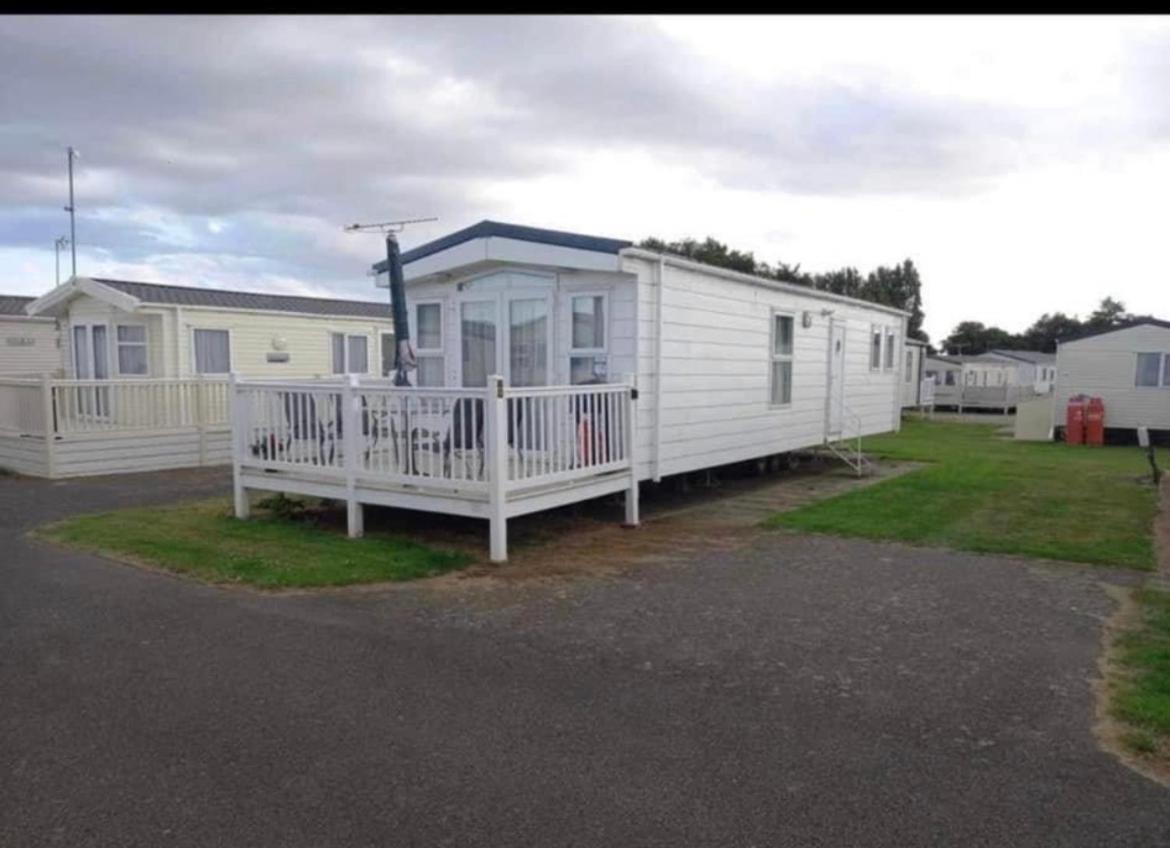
(404, 358)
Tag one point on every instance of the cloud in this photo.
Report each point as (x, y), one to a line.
(235, 148)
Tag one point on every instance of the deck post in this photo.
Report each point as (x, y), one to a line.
(351, 423)
(631, 434)
(496, 409)
(50, 428)
(201, 418)
(243, 503)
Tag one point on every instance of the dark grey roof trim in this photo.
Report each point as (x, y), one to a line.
(14, 304)
(157, 293)
(486, 229)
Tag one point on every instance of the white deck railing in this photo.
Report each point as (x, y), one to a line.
(88, 406)
(493, 444)
(22, 406)
(37, 407)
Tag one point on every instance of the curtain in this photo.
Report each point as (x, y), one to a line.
(80, 354)
(430, 326)
(337, 345)
(212, 352)
(132, 349)
(101, 353)
(359, 355)
(528, 342)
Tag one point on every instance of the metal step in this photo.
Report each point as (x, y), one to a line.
(848, 453)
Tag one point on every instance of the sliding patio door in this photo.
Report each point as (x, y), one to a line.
(519, 349)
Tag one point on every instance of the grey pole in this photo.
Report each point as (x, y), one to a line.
(72, 222)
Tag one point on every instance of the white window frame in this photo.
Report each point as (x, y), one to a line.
(345, 351)
(878, 331)
(592, 352)
(430, 352)
(776, 358)
(144, 344)
(890, 342)
(231, 350)
(1163, 379)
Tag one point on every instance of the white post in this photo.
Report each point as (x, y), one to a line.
(351, 423)
(200, 417)
(50, 428)
(631, 401)
(239, 419)
(496, 410)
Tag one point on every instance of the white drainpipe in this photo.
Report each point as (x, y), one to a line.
(178, 341)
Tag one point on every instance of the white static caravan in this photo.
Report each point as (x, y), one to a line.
(1128, 368)
(729, 367)
(555, 367)
(29, 345)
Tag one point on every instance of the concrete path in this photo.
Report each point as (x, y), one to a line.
(792, 691)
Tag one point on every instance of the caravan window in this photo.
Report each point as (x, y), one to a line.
(588, 356)
(1151, 370)
(780, 378)
(949, 378)
(428, 324)
(909, 357)
(351, 354)
(213, 352)
(875, 348)
(132, 349)
(891, 339)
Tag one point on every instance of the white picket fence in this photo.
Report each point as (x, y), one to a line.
(60, 428)
(491, 452)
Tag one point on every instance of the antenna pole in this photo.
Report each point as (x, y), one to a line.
(404, 357)
(72, 220)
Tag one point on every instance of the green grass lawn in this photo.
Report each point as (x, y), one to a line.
(273, 549)
(1142, 699)
(985, 493)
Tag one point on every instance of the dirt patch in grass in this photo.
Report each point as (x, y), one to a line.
(720, 511)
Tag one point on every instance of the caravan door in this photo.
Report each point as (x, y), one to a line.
(835, 401)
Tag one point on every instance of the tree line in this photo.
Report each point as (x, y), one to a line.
(898, 285)
(901, 287)
(973, 337)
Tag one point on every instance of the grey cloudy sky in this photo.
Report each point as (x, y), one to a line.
(1022, 163)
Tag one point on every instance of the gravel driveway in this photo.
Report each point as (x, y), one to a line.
(791, 691)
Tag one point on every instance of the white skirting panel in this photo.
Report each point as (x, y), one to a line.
(89, 454)
(24, 455)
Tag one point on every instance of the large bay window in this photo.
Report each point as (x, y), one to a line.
(528, 341)
(588, 352)
(780, 368)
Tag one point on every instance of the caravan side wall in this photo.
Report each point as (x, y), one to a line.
(715, 353)
(1105, 366)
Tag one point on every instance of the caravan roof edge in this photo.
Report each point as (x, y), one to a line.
(752, 280)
